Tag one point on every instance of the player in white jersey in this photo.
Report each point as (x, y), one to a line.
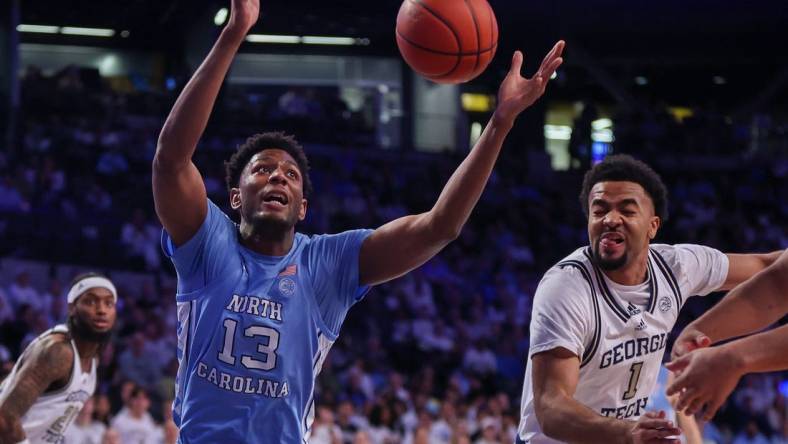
(602, 316)
(56, 373)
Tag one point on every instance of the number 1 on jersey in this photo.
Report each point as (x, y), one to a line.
(634, 376)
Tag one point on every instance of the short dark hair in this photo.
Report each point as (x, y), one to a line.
(623, 167)
(264, 141)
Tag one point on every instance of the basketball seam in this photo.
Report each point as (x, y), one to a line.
(478, 37)
(454, 33)
(446, 53)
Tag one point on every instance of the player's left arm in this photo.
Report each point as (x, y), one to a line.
(51, 360)
(405, 243)
(744, 266)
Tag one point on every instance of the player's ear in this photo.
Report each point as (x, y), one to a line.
(302, 210)
(235, 198)
(653, 228)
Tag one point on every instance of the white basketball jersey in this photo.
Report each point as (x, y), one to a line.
(618, 332)
(52, 413)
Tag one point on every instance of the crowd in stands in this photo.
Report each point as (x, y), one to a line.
(437, 356)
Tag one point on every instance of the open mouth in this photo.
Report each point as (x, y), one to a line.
(275, 198)
(611, 239)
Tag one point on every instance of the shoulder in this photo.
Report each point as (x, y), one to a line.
(565, 285)
(681, 256)
(338, 242)
(334, 237)
(50, 358)
(55, 351)
(573, 273)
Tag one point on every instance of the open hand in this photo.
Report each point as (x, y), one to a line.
(517, 92)
(704, 377)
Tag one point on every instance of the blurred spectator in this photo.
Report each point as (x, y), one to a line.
(21, 292)
(85, 429)
(141, 239)
(136, 365)
(324, 429)
(134, 423)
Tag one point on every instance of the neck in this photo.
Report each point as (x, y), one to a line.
(87, 349)
(633, 273)
(269, 242)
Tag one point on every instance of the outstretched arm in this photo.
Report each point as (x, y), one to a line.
(405, 243)
(178, 189)
(752, 306)
(51, 360)
(744, 266)
(706, 377)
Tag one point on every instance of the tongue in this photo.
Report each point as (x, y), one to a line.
(609, 243)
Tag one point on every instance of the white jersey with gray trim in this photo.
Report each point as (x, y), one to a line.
(619, 333)
(52, 413)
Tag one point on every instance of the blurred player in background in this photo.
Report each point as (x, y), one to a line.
(56, 374)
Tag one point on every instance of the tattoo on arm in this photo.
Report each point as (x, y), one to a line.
(50, 360)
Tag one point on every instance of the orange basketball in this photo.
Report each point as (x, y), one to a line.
(447, 41)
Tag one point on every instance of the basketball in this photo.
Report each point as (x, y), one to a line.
(447, 41)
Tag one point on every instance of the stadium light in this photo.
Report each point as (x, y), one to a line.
(600, 124)
(558, 132)
(306, 39)
(318, 40)
(272, 38)
(91, 32)
(40, 29)
(220, 17)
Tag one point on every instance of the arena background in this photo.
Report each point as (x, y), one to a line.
(697, 89)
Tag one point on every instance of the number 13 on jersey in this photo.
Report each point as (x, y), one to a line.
(266, 348)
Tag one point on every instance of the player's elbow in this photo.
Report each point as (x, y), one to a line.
(548, 416)
(165, 161)
(442, 230)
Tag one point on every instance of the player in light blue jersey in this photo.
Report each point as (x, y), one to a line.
(259, 305)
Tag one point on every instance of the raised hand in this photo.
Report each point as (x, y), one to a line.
(704, 377)
(517, 92)
(243, 15)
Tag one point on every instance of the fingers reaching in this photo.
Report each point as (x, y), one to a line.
(549, 59)
(517, 63)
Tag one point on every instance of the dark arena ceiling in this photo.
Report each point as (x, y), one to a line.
(679, 45)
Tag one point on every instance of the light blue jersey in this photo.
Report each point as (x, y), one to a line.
(254, 330)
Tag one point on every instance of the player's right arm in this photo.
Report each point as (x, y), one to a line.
(49, 361)
(561, 417)
(750, 307)
(178, 189)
